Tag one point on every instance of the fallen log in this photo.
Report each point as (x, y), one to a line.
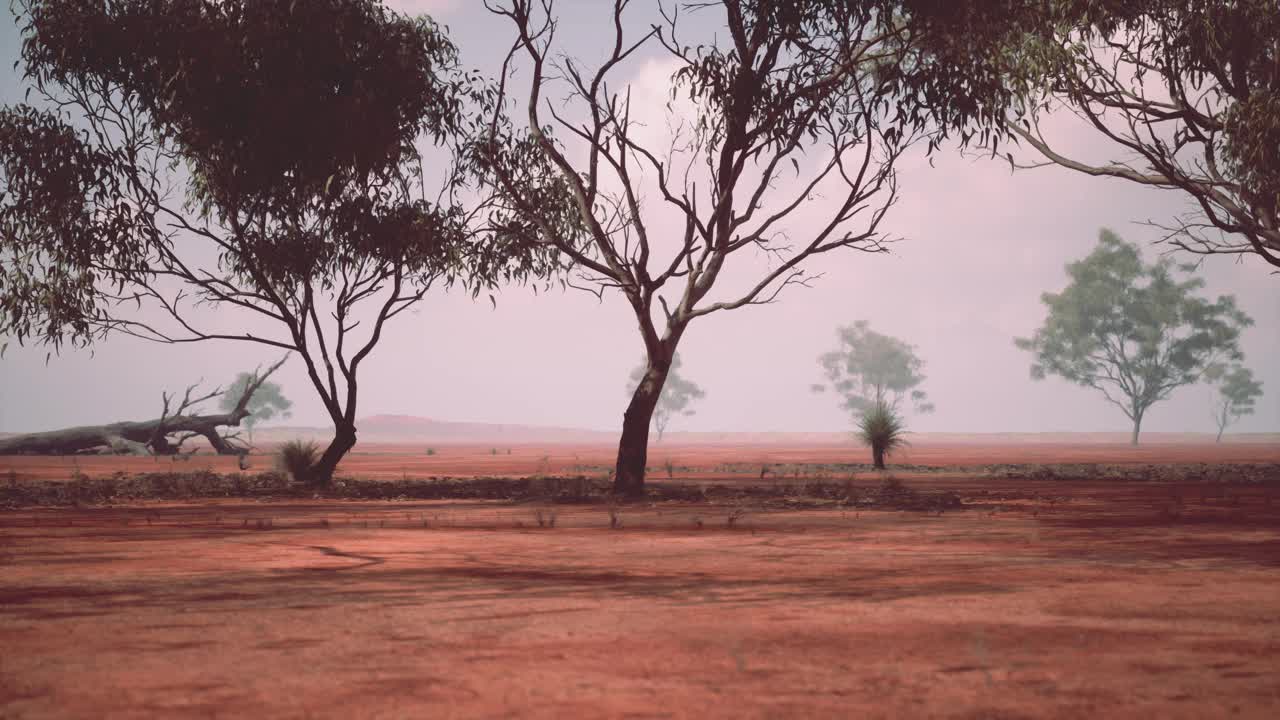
(148, 437)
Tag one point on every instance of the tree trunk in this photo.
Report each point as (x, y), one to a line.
(633, 448)
(126, 437)
(1221, 429)
(1137, 428)
(343, 440)
(877, 457)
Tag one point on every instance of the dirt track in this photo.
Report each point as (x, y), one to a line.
(1084, 600)
(695, 462)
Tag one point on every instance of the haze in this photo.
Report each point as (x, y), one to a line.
(980, 246)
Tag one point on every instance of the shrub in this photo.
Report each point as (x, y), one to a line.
(297, 457)
(431, 451)
(881, 427)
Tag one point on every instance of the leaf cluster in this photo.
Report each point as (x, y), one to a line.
(271, 102)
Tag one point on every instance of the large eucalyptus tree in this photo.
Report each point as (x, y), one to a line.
(259, 158)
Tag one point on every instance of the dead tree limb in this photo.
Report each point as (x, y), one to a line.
(149, 436)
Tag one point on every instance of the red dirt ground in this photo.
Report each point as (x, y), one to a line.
(1101, 601)
(697, 462)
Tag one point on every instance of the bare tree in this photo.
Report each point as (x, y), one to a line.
(785, 107)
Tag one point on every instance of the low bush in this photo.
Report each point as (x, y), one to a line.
(881, 427)
(297, 457)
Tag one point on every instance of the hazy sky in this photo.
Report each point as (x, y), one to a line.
(981, 245)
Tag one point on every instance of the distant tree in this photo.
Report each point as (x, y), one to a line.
(677, 394)
(1132, 331)
(870, 369)
(266, 403)
(1237, 392)
(874, 374)
(197, 167)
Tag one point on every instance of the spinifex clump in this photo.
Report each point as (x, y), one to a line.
(881, 428)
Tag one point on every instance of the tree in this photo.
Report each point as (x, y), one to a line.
(796, 112)
(871, 369)
(1132, 331)
(258, 158)
(162, 436)
(1186, 94)
(677, 394)
(266, 403)
(1237, 392)
(874, 374)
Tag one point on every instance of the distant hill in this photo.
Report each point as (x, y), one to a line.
(410, 428)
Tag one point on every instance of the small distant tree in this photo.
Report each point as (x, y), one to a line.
(1132, 331)
(874, 375)
(1237, 391)
(677, 394)
(266, 403)
(872, 369)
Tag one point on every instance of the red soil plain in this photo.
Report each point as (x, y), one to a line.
(1036, 599)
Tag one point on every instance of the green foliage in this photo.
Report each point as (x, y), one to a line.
(231, 81)
(291, 131)
(1134, 332)
(1238, 392)
(927, 71)
(678, 393)
(871, 370)
(881, 428)
(297, 457)
(1185, 94)
(267, 402)
(50, 232)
